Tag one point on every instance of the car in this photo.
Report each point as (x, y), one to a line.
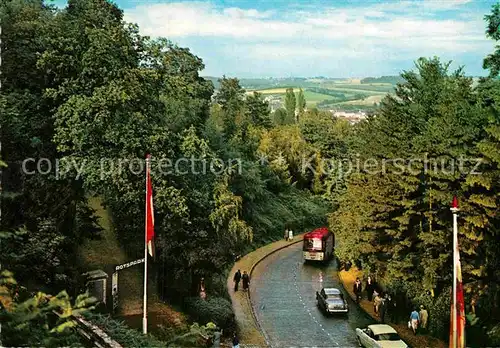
(379, 336)
(331, 301)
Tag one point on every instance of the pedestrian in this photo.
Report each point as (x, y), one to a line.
(236, 341)
(236, 279)
(376, 302)
(383, 308)
(203, 293)
(290, 234)
(389, 307)
(369, 288)
(357, 288)
(286, 234)
(424, 316)
(414, 319)
(246, 280)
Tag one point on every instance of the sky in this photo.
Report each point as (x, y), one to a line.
(343, 38)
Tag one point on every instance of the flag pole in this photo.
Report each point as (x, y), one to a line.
(145, 303)
(454, 209)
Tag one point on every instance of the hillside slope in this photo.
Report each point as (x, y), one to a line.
(107, 252)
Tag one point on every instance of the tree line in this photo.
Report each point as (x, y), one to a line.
(80, 85)
(396, 223)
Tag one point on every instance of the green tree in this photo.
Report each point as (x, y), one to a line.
(40, 319)
(279, 116)
(290, 104)
(301, 104)
(492, 61)
(230, 96)
(258, 110)
(407, 220)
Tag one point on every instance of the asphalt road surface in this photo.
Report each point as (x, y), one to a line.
(283, 291)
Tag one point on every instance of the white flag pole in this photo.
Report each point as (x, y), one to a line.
(145, 304)
(454, 210)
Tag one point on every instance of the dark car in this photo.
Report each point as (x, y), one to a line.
(331, 301)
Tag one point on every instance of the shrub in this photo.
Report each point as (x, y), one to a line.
(214, 309)
(439, 315)
(494, 336)
(123, 334)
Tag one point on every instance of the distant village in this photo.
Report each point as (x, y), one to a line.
(275, 102)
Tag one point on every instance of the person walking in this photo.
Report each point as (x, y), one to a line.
(286, 234)
(357, 289)
(389, 307)
(236, 279)
(383, 308)
(414, 319)
(376, 302)
(203, 293)
(369, 288)
(424, 316)
(290, 234)
(246, 280)
(236, 341)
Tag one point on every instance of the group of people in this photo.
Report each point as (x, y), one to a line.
(288, 234)
(371, 289)
(383, 303)
(245, 278)
(418, 319)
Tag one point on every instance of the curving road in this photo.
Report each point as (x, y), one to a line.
(283, 291)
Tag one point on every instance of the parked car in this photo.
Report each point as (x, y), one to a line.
(331, 301)
(379, 336)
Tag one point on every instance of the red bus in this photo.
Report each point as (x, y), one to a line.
(318, 245)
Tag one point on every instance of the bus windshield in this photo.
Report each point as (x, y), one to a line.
(313, 244)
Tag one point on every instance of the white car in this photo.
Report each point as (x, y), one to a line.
(379, 336)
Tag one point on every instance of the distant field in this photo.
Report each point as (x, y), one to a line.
(367, 101)
(358, 88)
(378, 88)
(344, 89)
(312, 98)
(281, 90)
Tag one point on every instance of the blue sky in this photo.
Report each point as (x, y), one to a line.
(264, 38)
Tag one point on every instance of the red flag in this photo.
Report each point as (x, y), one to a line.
(459, 314)
(150, 219)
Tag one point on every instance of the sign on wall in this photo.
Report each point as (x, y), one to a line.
(114, 280)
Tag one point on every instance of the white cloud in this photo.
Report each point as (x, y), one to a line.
(387, 30)
(201, 19)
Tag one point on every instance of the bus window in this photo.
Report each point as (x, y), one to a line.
(317, 244)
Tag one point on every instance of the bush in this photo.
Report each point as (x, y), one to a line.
(494, 336)
(214, 309)
(122, 334)
(439, 315)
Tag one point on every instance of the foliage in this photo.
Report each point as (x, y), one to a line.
(258, 110)
(301, 102)
(214, 309)
(290, 104)
(43, 205)
(492, 61)
(383, 79)
(122, 334)
(40, 319)
(280, 117)
(394, 217)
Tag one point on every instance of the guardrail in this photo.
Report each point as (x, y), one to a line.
(94, 335)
